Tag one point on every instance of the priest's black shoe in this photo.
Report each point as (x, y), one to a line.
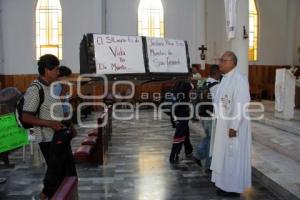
(223, 193)
(208, 171)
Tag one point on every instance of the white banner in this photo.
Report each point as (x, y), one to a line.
(231, 17)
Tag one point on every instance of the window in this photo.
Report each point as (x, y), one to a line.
(151, 18)
(253, 30)
(48, 28)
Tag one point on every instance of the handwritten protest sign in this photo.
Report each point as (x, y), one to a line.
(11, 136)
(118, 54)
(167, 55)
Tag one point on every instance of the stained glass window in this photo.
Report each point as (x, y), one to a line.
(253, 30)
(151, 18)
(48, 28)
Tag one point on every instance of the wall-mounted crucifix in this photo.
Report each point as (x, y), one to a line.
(202, 54)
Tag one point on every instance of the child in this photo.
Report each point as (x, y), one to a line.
(182, 135)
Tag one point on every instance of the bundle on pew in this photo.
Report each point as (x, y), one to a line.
(94, 147)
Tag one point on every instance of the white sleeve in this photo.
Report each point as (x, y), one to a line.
(241, 97)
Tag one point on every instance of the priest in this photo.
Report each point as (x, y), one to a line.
(231, 156)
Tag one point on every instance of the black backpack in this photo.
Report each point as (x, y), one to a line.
(20, 105)
(204, 96)
(181, 93)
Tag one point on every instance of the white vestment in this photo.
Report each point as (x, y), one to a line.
(231, 17)
(231, 158)
(213, 90)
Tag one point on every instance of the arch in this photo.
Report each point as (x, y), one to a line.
(151, 18)
(48, 20)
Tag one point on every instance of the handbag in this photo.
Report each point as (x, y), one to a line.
(63, 136)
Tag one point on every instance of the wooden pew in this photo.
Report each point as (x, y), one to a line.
(104, 136)
(96, 152)
(262, 80)
(68, 189)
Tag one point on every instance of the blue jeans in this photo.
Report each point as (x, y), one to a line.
(202, 152)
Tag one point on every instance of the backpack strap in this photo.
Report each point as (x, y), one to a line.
(41, 95)
(20, 105)
(210, 85)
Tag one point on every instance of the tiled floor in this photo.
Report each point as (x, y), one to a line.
(137, 168)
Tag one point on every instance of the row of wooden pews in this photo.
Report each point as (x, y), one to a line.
(93, 150)
(94, 147)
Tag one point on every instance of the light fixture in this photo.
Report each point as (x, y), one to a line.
(245, 34)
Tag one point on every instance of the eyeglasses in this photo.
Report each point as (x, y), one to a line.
(224, 60)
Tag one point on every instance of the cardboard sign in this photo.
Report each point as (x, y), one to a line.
(167, 55)
(118, 54)
(11, 135)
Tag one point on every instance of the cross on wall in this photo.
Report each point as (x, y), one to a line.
(202, 54)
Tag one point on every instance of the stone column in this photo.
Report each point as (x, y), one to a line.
(201, 36)
(293, 30)
(239, 45)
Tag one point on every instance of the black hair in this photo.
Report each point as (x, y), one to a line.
(48, 61)
(64, 71)
(234, 58)
(214, 69)
(182, 89)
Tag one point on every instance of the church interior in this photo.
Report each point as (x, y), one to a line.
(128, 158)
